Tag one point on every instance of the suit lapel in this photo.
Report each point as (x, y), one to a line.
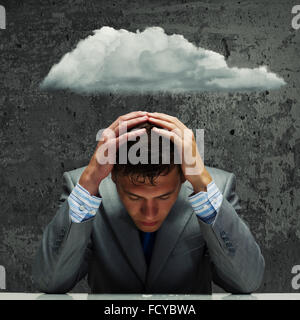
(169, 233)
(123, 227)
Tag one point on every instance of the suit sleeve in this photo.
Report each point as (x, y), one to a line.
(237, 262)
(61, 260)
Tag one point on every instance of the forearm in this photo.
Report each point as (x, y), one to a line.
(91, 179)
(59, 260)
(237, 259)
(234, 252)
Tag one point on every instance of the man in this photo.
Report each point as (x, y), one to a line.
(148, 228)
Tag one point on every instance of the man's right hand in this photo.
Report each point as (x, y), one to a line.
(97, 169)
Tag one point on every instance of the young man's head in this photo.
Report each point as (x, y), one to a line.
(148, 191)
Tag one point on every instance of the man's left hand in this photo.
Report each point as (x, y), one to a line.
(191, 162)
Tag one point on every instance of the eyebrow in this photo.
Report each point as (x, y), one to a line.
(162, 195)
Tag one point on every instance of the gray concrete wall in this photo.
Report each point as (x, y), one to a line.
(255, 135)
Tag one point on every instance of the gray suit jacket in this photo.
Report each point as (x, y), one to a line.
(188, 254)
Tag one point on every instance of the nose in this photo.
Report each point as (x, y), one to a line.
(149, 210)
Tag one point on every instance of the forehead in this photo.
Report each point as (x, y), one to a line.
(163, 184)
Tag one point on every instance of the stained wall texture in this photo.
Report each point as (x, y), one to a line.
(253, 134)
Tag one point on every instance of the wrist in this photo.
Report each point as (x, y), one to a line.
(201, 182)
(91, 179)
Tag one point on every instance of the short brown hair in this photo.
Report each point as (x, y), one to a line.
(149, 171)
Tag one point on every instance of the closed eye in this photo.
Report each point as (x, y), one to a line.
(134, 198)
(138, 198)
(164, 197)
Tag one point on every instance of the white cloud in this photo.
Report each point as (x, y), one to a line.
(119, 60)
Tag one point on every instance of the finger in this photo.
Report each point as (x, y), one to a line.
(107, 152)
(175, 138)
(163, 123)
(167, 125)
(133, 114)
(109, 134)
(128, 124)
(170, 135)
(166, 117)
(129, 136)
(185, 146)
(106, 135)
(126, 117)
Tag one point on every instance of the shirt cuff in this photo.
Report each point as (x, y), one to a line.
(206, 205)
(83, 205)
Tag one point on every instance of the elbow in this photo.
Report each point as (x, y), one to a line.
(44, 282)
(42, 286)
(253, 282)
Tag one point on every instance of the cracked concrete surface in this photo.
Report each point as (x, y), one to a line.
(255, 135)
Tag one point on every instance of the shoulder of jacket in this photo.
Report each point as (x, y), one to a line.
(218, 171)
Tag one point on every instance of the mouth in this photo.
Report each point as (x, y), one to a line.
(149, 224)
